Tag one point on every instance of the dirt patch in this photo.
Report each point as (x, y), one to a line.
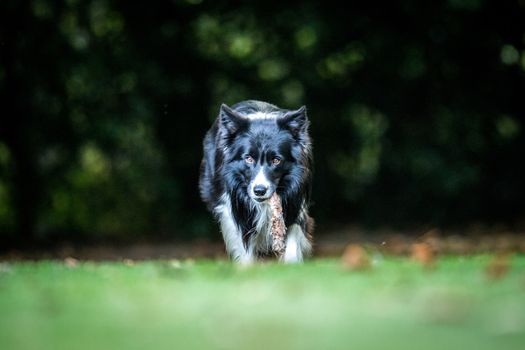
(326, 244)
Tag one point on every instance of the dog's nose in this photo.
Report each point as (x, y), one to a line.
(260, 190)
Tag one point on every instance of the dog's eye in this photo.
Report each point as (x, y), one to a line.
(276, 161)
(249, 159)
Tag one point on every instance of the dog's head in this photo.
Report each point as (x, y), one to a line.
(264, 151)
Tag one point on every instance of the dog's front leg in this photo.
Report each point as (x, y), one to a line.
(233, 241)
(297, 245)
(232, 233)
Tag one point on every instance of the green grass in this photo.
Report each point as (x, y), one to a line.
(214, 304)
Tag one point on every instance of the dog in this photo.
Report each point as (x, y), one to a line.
(252, 150)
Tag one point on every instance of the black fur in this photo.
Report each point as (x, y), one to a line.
(233, 137)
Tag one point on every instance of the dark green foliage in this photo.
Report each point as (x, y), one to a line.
(416, 108)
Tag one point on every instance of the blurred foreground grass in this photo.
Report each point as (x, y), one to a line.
(214, 304)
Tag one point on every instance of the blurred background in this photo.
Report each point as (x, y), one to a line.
(416, 108)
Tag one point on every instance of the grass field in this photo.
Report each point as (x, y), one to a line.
(214, 304)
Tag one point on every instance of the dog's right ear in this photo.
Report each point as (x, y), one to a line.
(231, 121)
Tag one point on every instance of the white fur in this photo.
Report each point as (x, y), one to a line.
(261, 115)
(297, 245)
(231, 233)
(261, 240)
(260, 179)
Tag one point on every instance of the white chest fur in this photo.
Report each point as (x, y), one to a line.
(260, 240)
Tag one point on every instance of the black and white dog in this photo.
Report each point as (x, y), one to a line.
(252, 150)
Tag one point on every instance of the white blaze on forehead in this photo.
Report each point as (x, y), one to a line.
(261, 179)
(261, 115)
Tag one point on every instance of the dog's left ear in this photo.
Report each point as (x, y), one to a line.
(295, 121)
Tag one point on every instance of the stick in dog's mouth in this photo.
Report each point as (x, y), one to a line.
(278, 227)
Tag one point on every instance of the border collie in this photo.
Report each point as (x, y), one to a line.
(252, 150)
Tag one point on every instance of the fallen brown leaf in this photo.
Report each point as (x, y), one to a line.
(355, 257)
(128, 262)
(498, 267)
(70, 262)
(433, 239)
(423, 254)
